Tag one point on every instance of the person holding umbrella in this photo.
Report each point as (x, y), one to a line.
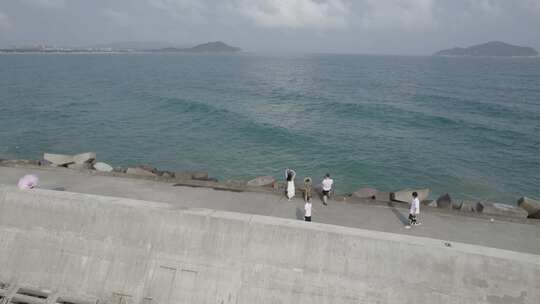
(29, 181)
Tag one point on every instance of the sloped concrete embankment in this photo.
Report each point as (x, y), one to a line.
(121, 250)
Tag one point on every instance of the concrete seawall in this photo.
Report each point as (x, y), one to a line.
(128, 251)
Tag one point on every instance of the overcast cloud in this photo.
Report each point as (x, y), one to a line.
(341, 26)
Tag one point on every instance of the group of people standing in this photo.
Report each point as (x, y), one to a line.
(326, 187)
(327, 184)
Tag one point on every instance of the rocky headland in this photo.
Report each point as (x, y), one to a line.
(209, 47)
(490, 49)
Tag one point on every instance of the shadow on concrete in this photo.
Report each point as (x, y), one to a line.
(403, 219)
(53, 188)
(299, 214)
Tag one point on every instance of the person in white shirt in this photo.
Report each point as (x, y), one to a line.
(414, 211)
(307, 209)
(290, 175)
(326, 187)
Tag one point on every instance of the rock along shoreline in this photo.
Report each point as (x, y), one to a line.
(87, 162)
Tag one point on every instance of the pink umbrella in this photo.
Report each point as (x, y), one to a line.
(29, 181)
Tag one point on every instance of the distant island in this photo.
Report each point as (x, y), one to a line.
(491, 49)
(210, 47)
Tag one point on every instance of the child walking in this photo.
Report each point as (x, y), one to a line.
(414, 211)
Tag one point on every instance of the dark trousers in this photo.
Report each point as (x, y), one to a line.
(308, 218)
(412, 219)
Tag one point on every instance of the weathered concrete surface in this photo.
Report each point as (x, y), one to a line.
(438, 224)
(58, 159)
(104, 246)
(406, 195)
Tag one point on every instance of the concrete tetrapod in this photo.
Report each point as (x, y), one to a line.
(84, 158)
(406, 195)
(445, 201)
(501, 209)
(531, 206)
(58, 159)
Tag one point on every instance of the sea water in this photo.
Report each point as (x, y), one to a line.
(467, 126)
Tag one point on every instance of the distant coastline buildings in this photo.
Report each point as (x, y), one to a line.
(54, 49)
(210, 47)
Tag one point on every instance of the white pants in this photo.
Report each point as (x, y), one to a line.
(290, 189)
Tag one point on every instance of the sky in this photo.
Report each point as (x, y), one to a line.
(307, 26)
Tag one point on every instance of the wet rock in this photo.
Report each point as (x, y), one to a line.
(196, 175)
(84, 166)
(120, 170)
(383, 196)
(367, 192)
(406, 195)
(182, 175)
(139, 171)
(103, 167)
(427, 203)
(167, 174)
(501, 209)
(58, 159)
(235, 183)
(199, 175)
(444, 201)
(262, 181)
(84, 158)
(470, 206)
(457, 204)
(531, 206)
(150, 169)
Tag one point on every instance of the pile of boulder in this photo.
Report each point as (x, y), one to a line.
(78, 161)
(146, 170)
(523, 209)
(531, 206)
(403, 196)
(87, 161)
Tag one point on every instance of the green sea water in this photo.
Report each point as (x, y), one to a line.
(467, 126)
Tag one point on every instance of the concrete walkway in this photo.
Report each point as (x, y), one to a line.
(522, 237)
